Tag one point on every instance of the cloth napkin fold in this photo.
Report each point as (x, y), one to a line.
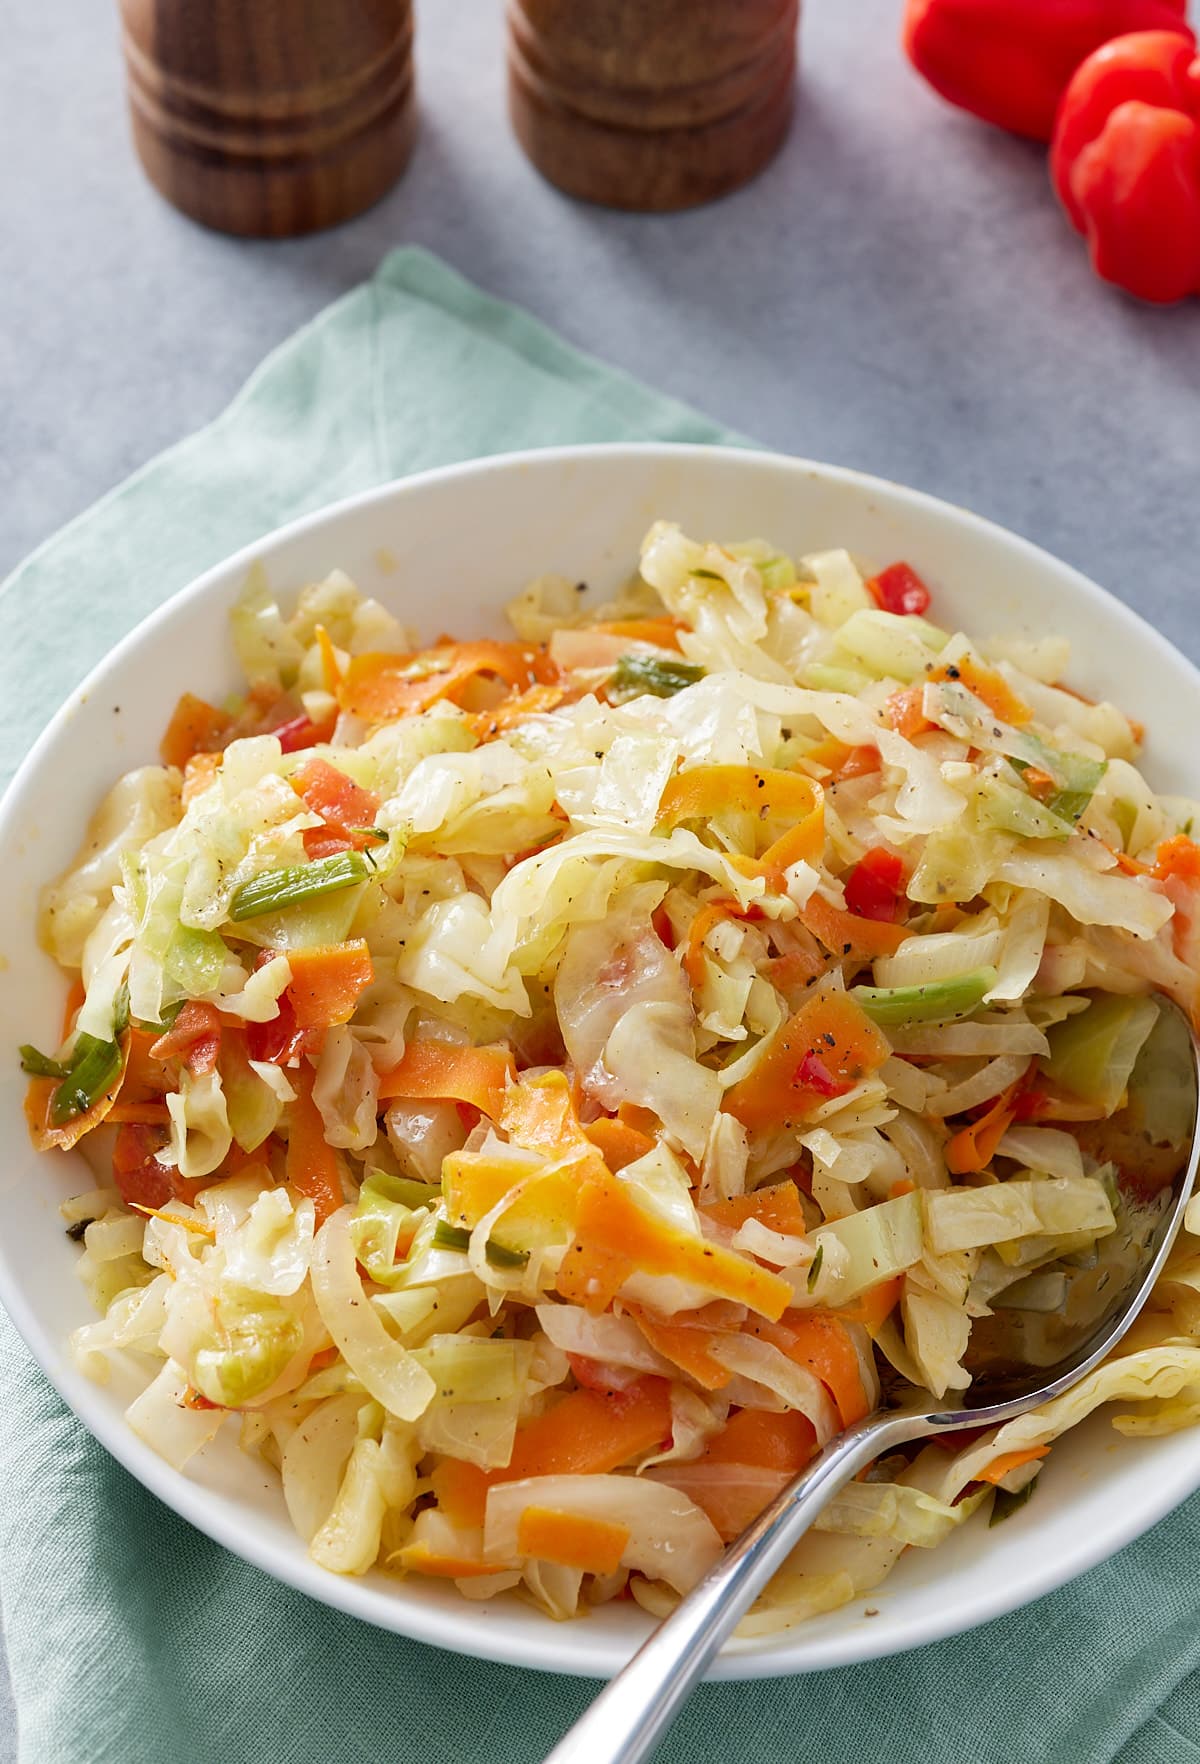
(132, 1638)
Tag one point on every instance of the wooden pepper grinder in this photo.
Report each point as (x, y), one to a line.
(271, 117)
(651, 104)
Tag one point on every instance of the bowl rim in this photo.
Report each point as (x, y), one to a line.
(1041, 1573)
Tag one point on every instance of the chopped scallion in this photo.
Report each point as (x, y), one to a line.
(458, 1237)
(274, 890)
(654, 674)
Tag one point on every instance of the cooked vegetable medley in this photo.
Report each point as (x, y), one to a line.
(538, 1088)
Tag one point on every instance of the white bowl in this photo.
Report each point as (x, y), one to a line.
(445, 550)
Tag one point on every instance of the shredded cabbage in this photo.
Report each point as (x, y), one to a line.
(532, 1068)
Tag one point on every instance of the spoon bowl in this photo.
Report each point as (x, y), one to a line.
(1150, 1148)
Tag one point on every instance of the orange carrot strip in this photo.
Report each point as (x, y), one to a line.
(835, 1032)
(845, 933)
(534, 701)
(973, 1147)
(312, 1167)
(615, 1237)
(617, 1143)
(330, 669)
(586, 1432)
(663, 633)
(420, 1559)
(698, 930)
(194, 726)
(873, 1307)
(591, 1432)
(777, 1207)
(772, 1442)
(686, 1345)
(989, 686)
(1178, 856)
(764, 792)
(1000, 1467)
(594, 1545)
(329, 793)
(76, 993)
(327, 981)
(198, 774)
(475, 1075)
(905, 713)
(461, 1491)
(379, 687)
(820, 1341)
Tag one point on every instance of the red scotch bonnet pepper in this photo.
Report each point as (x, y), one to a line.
(1009, 61)
(1126, 162)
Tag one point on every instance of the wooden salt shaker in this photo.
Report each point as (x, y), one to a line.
(270, 117)
(651, 104)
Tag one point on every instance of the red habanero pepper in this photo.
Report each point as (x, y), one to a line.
(1009, 61)
(875, 886)
(1126, 163)
(899, 589)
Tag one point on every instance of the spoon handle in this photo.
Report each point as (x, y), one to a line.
(631, 1714)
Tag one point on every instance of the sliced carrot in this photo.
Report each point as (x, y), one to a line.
(663, 633)
(1179, 857)
(847, 934)
(633, 1115)
(1000, 1467)
(461, 1491)
(420, 1559)
(904, 711)
(534, 701)
(76, 993)
(327, 981)
(777, 1207)
(1129, 866)
(194, 727)
(845, 762)
(594, 1545)
(539, 1114)
(312, 1166)
(590, 1432)
(713, 913)
(989, 686)
(329, 793)
(380, 687)
(973, 1147)
(771, 1442)
(763, 792)
(873, 1307)
(615, 1237)
(198, 773)
(685, 1344)
(821, 1342)
(330, 669)
(617, 1143)
(743, 1468)
(831, 1029)
(474, 1075)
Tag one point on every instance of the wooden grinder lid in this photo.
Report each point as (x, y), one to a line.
(270, 117)
(651, 104)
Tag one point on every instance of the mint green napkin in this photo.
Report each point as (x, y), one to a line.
(132, 1638)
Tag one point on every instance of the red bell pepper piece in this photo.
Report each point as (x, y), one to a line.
(899, 589)
(1126, 162)
(1009, 61)
(875, 886)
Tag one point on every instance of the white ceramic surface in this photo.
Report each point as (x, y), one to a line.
(445, 550)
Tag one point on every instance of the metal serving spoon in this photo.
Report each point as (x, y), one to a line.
(1020, 1359)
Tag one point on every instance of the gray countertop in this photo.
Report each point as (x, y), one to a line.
(898, 292)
